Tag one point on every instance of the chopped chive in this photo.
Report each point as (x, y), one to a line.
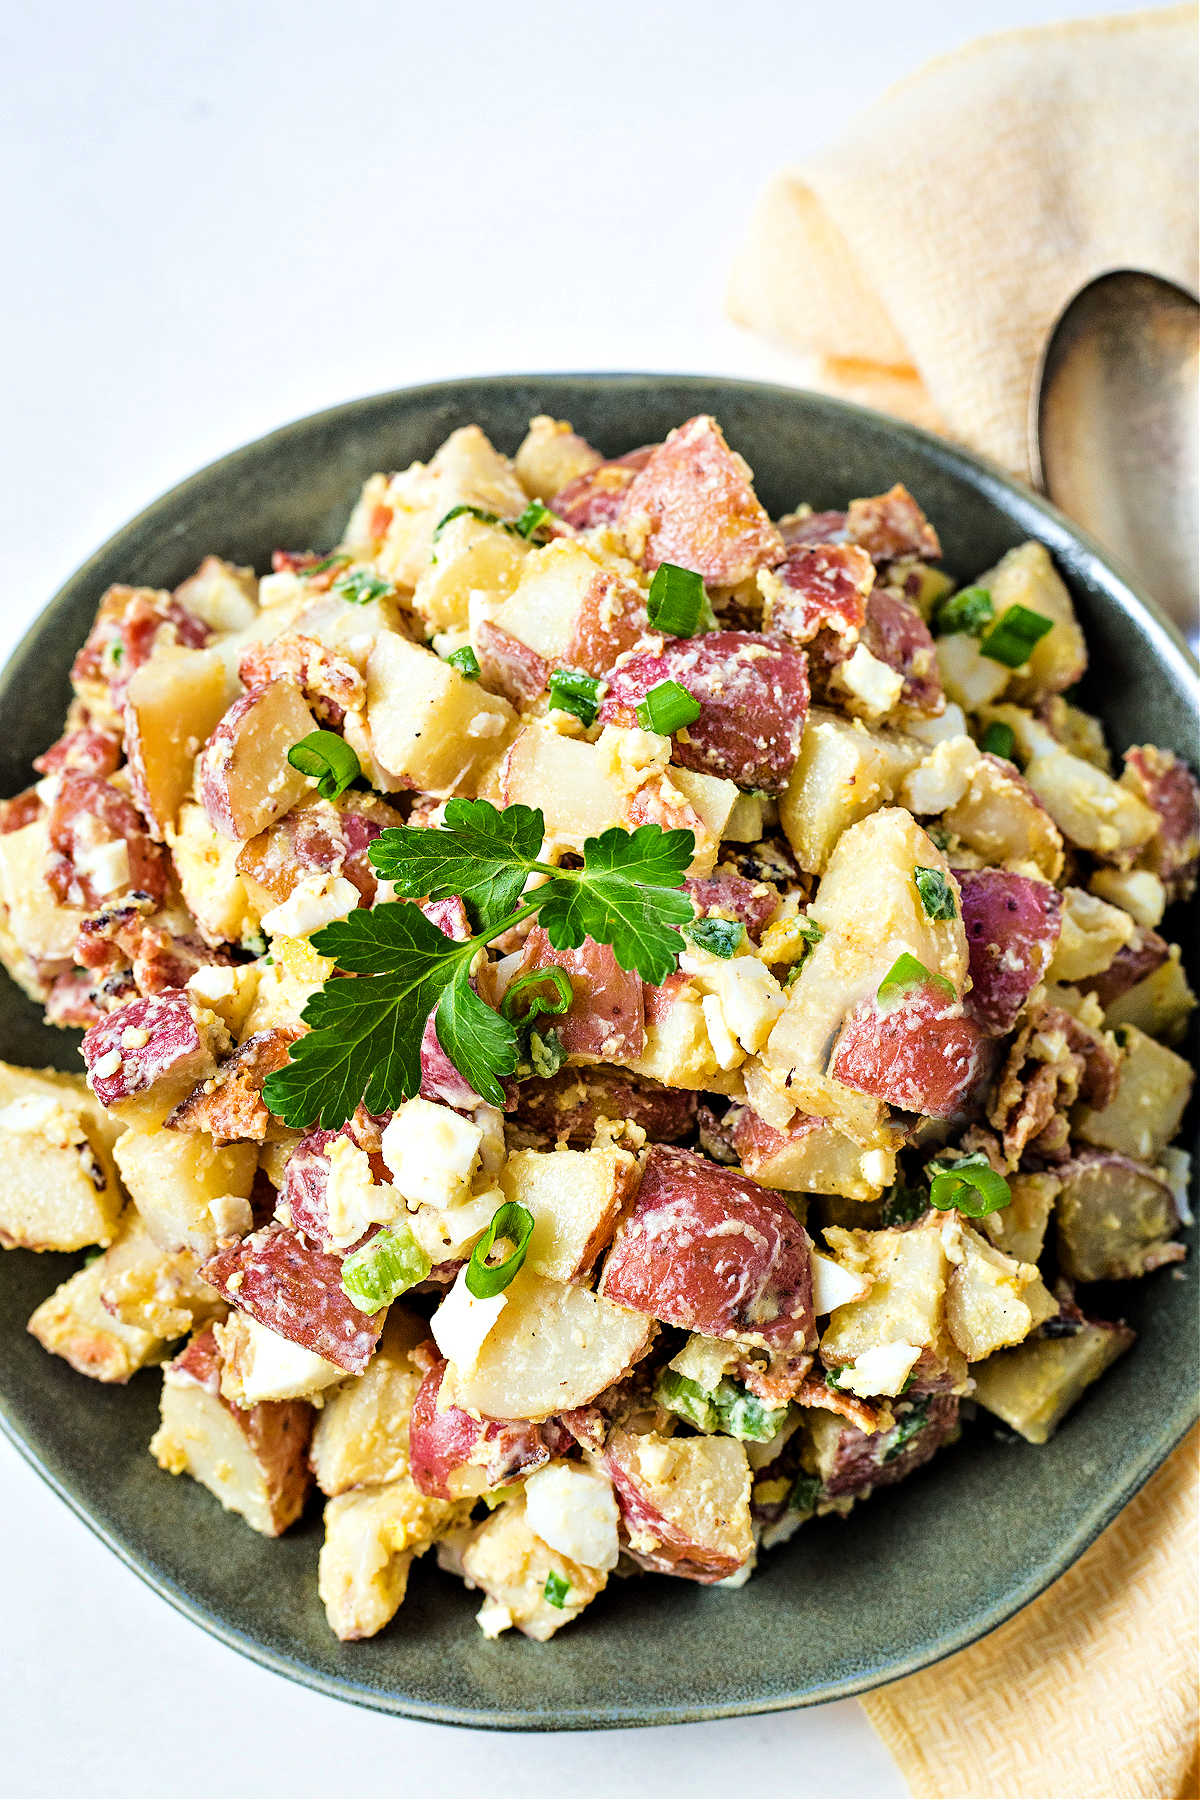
(384, 1268)
(720, 937)
(969, 1185)
(937, 896)
(556, 1589)
(906, 975)
(361, 587)
(465, 661)
(329, 759)
(532, 519)
(326, 562)
(999, 740)
(572, 691)
(558, 979)
(686, 1399)
(546, 1053)
(1013, 636)
(809, 929)
(969, 610)
(677, 604)
(513, 1223)
(902, 1204)
(742, 1415)
(667, 708)
(459, 512)
(805, 1493)
(907, 1427)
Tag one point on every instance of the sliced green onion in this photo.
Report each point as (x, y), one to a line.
(546, 1053)
(465, 661)
(384, 1268)
(937, 896)
(833, 1377)
(938, 835)
(532, 519)
(809, 929)
(908, 1427)
(742, 1415)
(326, 562)
(999, 740)
(329, 759)
(970, 1186)
(558, 979)
(720, 937)
(902, 1204)
(686, 1399)
(793, 974)
(513, 1223)
(1013, 636)
(459, 512)
(804, 1494)
(677, 604)
(667, 707)
(556, 1589)
(360, 587)
(497, 1496)
(970, 610)
(907, 974)
(572, 691)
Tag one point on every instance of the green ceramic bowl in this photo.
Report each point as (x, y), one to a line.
(912, 1575)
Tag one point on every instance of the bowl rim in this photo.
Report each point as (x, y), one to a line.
(1033, 513)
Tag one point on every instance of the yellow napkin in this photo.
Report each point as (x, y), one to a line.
(922, 260)
(1090, 1693)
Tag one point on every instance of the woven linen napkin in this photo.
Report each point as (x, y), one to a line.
(921, 261)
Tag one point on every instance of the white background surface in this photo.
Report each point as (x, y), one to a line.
(224, 216)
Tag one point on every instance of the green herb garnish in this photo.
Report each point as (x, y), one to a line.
(937, 896)
(547, 1053)
(730, 1409)
(1013, 636)
(573, 692)
(326, 562)
(556, 1589)
(361, 587)
(720, 937)
(999, 740)
(969, 610)
(328, 759)
(465, 661)
(902, 1204)
(667, 707)
(908, 1427)
(364, 1041)
(471, 512)
(384, 1268)
(535, 515)
(511, 1223)
(969, 1185)
(677, 604)
(514, 1005)
(906, 975)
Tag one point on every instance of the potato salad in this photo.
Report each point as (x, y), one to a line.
(614, 1025)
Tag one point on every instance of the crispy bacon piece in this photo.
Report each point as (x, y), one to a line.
(83, 749)
(295, 1289)
(707, 1249)
(229, 1105)
(1054, 1061)
(753, 691)
(124, 939)
(567, 1106)
(127, 625)
(825, 587)
(891, 525)
(73, 1001)
(330, 683)
(595, 497)
(1012, 923)
(693, 504)
(605, 1018)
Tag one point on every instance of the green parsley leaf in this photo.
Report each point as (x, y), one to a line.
(623, 896)
(479, 1043)
(465, 661)
(478, 852)
(937, 896)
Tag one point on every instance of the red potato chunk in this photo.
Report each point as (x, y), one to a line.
(1144, 953)
(813, 528)
(144, 1058)
(1012, 924)
(567, 1107)
(754, 695)
(303, 1201)
(855, 1462)
(896, 633)
(684, 1503)
(707, 1249)
(319, 837)
(296, 1290)
(825, 586)
(922, 1054)
(87, 751)
(440, 1078)
(453, 1453)
(19, 811)
(508, 666)
(330, 683)
(605, 1018)
(693, 504)
(595, 497)
(228, 1105)
(99, 845)
(245, 779)
(1171, 791)
(891, 525)
(129, 622)
(72, 1003)
(753, 903)
(253, 1459)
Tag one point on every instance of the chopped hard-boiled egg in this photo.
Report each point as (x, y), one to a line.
(834, 1286)
(882, 1371)
(574, 1510)
(316, 901)
(462, 1321)
(430, 1151)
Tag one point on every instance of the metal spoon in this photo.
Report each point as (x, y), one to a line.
(1113, 428)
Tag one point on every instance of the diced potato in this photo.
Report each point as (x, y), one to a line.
(155, 1290)
(285, 985)
(685, 1502)
(568, 609)
(844, 771)
(174, 1178)
(1027, 577)
(213, 891)
(576, 1198)
(395, 520)
(512, 1566)
(1114, 1217)
(1019, 1229)
(1159, 1005)
(1153, 1091)
(60, 1190)
(430, 727)
(1033, 1387)
(74, 1323)
(16, 1083)
(260, 1366)
(172, 706)
(40, 928)
(1139, 891)
(1091, 933)
(1004, 821)
(470, 557)
(1090, 808)
(569, 780)
(970, 679)
(816, 1160)
(992, 1300)
(678, 1051)
(371, 1537)
(713, 800)
(554, 1347)
(244, 778)
(870, 912)
(223, 594)
(361, 1434)
(909, 1270)
(551, 455)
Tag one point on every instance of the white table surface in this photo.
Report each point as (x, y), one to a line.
(229, 215)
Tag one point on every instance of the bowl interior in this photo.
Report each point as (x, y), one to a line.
(915, 1573)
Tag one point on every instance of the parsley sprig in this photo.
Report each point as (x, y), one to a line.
(364, 1041)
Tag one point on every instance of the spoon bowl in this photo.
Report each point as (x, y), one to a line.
(1114, 428)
